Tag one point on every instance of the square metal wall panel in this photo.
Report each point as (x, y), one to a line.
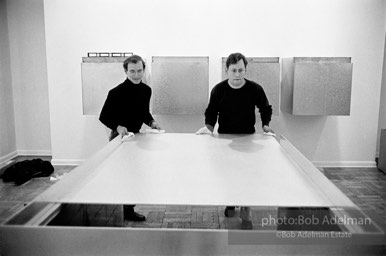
(97, 80)
(316, 85)
(180, 85)
(99, 76)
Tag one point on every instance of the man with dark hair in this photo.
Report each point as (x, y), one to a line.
(127, 108)
(233, 102)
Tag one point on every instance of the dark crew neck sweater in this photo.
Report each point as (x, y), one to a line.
(235, 108)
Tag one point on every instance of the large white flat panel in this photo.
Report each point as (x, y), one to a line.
(186, 168)
(180, 123)
(180, 85)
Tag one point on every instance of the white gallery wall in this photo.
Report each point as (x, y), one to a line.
(333, 28)
(28, 71)
(7, 119)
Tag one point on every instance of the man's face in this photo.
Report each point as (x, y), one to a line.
(236, 73)
(135, 72)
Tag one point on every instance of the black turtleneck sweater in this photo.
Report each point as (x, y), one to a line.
(127, 105)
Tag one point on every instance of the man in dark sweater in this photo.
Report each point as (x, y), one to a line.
(233, 103)
(127, 108)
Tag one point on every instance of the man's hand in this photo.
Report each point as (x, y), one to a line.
(208, 129)
(122, 131)
(154, 125)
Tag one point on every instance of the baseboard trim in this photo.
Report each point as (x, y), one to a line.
(34, 153)
(76, 162)
(351, 164)
(5, 159)
(69, 162)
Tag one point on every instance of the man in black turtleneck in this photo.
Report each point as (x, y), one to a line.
(127, 108)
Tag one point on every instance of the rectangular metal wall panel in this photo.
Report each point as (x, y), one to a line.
(317, 85)
(287, 85)
(309, 90)
(180, 85)
(97, 80)
(338, 89)
(99, 76)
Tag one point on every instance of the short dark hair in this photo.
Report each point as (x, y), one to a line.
(133, 59)
(233, 58)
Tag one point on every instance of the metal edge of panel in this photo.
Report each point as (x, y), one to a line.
(341, 205)
(258, 59)
(322, 59)
(103, 241)
(327, 188)
(103, 59)
(180, 59)
(33, 214)
(77, 178)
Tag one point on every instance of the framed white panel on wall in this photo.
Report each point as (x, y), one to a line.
(180, 85)
(99, 76)
(317, 85)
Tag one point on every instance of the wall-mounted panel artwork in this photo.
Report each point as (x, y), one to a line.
(99, 76)
(266, 72)
(316, 85)
(307, 95)
(338, 88)
(97, 79)
(180, 85)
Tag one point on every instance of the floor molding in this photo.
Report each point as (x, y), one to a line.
(5, 159)
(352, 164)
(69, 162)
(76, 162)
(34, 153)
